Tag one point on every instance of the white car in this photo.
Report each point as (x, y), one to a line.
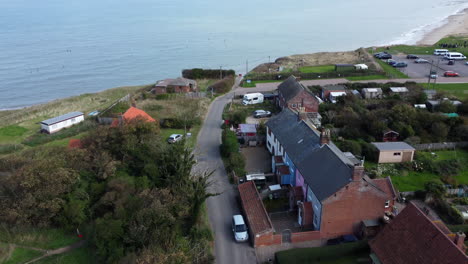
(261, 113)
(174, 138)
(239, 228)
(421, 61)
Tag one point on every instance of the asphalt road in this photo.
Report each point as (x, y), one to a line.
(221, 208)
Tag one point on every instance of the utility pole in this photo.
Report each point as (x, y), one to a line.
(220, 72)
(246, 67)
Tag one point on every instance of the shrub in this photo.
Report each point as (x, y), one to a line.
(461, 201)
(222, 86)
(448, 213)
(229, 143)
(9, 148)
(351, 146)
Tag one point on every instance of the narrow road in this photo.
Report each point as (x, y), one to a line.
(221, 208)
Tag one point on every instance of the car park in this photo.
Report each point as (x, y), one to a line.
(261, 113)
(451, 62)
(451, 74)
(385, 56)
(174, 138)
(400, 64)
(411, 56)
(239, 228)
(421, 61)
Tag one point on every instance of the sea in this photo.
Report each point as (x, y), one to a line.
(51, 49)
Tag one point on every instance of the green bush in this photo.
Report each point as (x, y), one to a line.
(448, 213)
(222, 86)
(350, 146)
(229, 143)
(461, 201)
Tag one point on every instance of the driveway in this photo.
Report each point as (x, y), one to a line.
(221, 207)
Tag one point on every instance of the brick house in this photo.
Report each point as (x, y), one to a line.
(342, 196)
(178, 85)
(292, 94)
(411, 237)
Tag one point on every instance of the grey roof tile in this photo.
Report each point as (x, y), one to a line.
(61, 118)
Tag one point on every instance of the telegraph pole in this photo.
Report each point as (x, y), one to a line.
(246, 66)
(220, 72)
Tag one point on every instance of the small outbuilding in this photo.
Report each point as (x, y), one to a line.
(398, 90)
(361, 66)
(327, 89)
(57, 123)
(394, 152)
(372, 93)
(344, 67)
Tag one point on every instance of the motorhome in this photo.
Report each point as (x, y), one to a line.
(253, 98)
(440, 52)
(454, 56)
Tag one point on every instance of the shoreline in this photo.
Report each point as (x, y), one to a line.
(454, 25)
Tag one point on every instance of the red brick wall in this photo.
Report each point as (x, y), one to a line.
(267, 239)
(305, 236)
(342, 214)
(158, 90)
(310, 102)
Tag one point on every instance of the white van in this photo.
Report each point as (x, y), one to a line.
(454, 56)
(239, 228)
(253, 98)
(439, 52)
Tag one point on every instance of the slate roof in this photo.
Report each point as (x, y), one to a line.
(256, 214)
(326, 169)
(180, 81)
(290, 88)
(413, 238)
(336, 87)
(400, 145)
(61, 118)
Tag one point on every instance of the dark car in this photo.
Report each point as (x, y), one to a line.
(451, 62)
(342, 239)
(378, 54)
(385, 56)
(400, 65)
(411, 56)
(391, 62)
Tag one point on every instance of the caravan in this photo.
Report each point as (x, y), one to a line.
(440, 52)
(253, 98)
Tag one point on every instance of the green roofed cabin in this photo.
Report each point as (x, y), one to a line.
(344, 67)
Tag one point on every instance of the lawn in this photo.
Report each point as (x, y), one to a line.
(459, 90)
(343, 253)
(166, 132)
(366, 78)
(41, 238)
(76, 256)
(253, 84)
(317, 69)
(21, 255)
(391, 71)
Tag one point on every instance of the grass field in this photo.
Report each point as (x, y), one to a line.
(40, 238)
(459, 90)
(317, 69)
(203, 84)
(77, 256)
(253, 84)
(391, 71)
(21, 255)
(366, 78)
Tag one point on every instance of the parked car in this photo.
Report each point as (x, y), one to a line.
(391, 62)
(421, 61)
(239, 228)
(174, 138)
(378, 54)
(433, 75)
(411, 56)
(451, 74)
(466, 63)
(385, 56)
(261, 113)
(400, 64)
(451, 62)
(342, 239)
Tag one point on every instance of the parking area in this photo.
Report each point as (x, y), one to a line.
(439, 64)
(257, 159)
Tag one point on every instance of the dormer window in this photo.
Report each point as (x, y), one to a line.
(387, 204)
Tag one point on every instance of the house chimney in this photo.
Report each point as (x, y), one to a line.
(301, 114)
(358, 172)
(298, 79)
(460, 240)
(324, 137)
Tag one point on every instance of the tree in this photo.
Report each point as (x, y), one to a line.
(439, 131)
(435, 189)
(446, 106)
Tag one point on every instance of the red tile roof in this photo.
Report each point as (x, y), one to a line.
(257, 216)
(133, 113)
(413, 238)
(385, 184)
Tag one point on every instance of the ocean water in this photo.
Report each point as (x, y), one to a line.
(52, 49)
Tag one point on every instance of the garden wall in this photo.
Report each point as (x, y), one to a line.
(438, 146)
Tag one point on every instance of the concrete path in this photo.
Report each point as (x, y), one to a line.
(58, 251)
(221, 208)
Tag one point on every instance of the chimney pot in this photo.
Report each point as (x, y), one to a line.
(460, 240)
(325, 137)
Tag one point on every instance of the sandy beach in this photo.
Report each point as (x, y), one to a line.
(456, 25)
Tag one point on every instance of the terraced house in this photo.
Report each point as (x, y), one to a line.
(335, 186)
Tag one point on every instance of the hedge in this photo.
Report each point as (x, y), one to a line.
(198, 73)
(222, 86)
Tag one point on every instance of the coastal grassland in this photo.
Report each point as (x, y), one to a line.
(203, 84)
(391, 71)
(77, 256)
(16, 125)
(21, 255)
(459, 90)
(367, 78)
(427, 50)
(317, 69)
